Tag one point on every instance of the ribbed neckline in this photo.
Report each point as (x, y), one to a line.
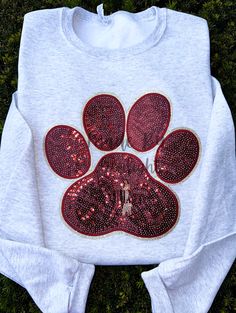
(67, 16)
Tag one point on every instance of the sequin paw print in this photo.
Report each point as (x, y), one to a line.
(119, 194)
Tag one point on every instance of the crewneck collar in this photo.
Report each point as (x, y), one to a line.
(68, 14)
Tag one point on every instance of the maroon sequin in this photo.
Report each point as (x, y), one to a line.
(177, 155)
(120, 194)
(147, 121)
(104, 121)
(67, 151)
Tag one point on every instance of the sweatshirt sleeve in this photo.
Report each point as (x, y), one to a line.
(191, 282)
(56, 282)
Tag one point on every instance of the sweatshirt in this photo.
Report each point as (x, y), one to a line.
(118, 149)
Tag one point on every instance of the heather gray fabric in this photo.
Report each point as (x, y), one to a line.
(57, 74)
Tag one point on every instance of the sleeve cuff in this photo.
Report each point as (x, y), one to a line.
(160, 300)
(80, 288)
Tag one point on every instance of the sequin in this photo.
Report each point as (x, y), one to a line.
(104, 121)
(147, 121)
(125, 200)
(177, 155)
(120, 194)
(67, 151)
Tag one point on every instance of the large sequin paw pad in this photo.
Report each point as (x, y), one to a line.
(120, 194)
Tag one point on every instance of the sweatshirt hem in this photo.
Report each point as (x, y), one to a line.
(190, 257)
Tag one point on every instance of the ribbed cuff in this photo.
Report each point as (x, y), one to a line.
(81, 285)
(160, 300)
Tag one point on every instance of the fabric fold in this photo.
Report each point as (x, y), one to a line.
(193, 280)
(52, 278)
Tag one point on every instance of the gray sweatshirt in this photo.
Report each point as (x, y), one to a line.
(118, 149)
